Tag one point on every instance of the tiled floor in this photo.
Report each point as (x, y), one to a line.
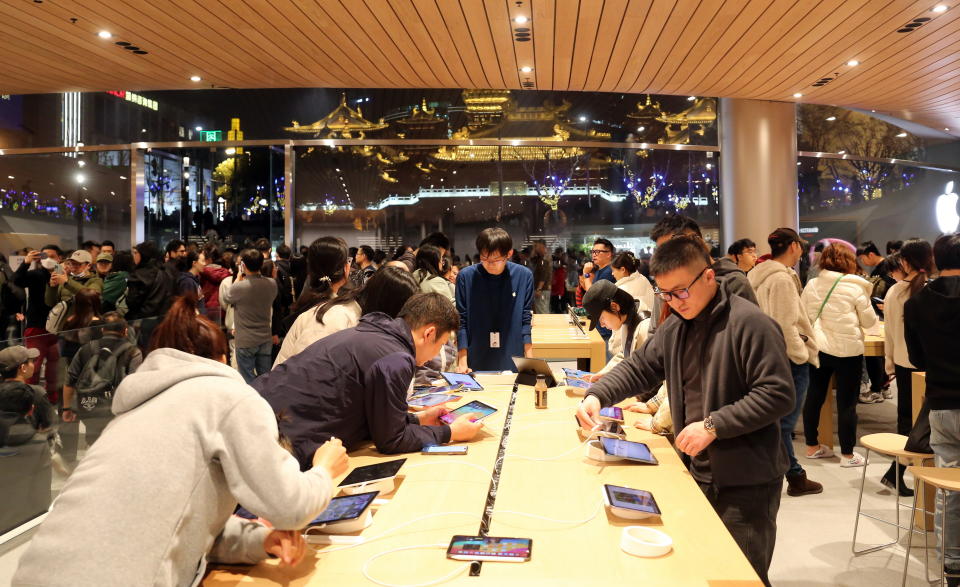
(813, 539)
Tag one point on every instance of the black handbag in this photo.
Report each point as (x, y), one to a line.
(919, 438)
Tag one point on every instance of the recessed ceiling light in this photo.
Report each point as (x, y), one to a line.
(195, 78)
(831, 118)
(526, 69)
(940, 8)
(853, 63)
(520, 19)
(798, 95)
(104, 34)
(901, 135)
(81, 163)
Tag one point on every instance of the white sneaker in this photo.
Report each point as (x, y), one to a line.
(823, 452)
(887, 393)
(871, 397)
(856, 461)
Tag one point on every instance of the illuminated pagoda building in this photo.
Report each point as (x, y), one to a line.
(696, 120)
(644, 123)
(509, 122)
(422, 123)
(344, 122)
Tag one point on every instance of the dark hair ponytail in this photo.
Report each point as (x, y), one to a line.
(428, 262)
(185, 330)
(625, 261)
(326, 259)
(918, 255)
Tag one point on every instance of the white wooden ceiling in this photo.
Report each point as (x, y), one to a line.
(763, 49)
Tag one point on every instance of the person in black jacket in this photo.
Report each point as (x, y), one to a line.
(353, 384)
(150, 290)
(33, 275)
(931, 321)
(729, 382)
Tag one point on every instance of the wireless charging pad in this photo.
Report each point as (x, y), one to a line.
(384, 486)
(345, 527)
(595, 452)
(645, 542)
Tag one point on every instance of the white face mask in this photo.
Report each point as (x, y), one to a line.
(48, 264)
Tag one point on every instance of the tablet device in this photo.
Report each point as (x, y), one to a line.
(625, 449)
(465, 379)
(613, 414)
(439, 389)
(490, 548)
(431, 399)
(475, 406)
(369, 473)
(347, 507)
(579, 383)
(631, 499)
(575, 320)
(575, 373)
(528, 369)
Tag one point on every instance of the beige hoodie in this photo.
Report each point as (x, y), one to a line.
(778, 293)
(157, 491)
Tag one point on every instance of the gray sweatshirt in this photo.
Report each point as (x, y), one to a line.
(252, 299)
(156, 493)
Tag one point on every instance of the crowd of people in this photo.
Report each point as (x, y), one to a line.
(218, 367)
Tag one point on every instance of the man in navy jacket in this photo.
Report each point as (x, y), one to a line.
(353, 384)
(495, 302)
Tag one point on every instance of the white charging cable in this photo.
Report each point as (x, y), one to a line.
(593, 515)
(561, 455)
(366, 567)
(395, 528)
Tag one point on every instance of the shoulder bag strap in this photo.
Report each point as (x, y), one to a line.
(820, 311)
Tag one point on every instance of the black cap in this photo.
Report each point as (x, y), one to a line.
(597, 299)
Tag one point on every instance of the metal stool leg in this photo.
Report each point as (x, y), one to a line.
(913, 519)
(856, 523)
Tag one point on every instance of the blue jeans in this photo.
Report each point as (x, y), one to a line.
(254, 361)
(945, 442)
(801, 380)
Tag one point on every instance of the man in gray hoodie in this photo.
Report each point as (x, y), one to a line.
(729, 384)
(153, 499)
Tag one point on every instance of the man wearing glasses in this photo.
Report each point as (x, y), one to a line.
(597, 269)
(729, 384)
(495, 301)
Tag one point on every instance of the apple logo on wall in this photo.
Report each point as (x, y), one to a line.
(947, 218)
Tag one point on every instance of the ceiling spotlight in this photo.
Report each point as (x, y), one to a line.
(853, 63)
(195, 78)
(104, 34)
(901, 135)
(523, 19)
(198, 129)
(81, 163)
(940, 8)
(831, 118)
(80, 178)
(526, 69)
(798, 95)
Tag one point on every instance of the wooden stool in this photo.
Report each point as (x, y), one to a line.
(890, 445)
(944, 479)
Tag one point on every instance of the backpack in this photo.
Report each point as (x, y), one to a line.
(58, 316)
(99, 379)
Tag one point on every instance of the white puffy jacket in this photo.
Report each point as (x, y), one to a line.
(847, 312)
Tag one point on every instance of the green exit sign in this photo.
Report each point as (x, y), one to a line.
(211, 136)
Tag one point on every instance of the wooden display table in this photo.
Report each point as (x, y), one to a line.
(555, 338)
(581, 548)
(872, 347)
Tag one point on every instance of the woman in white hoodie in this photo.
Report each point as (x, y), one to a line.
(154, 498)
(624, 267)
(916, 262)
(837, 303)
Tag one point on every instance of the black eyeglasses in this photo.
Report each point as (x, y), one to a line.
(682, 293)
(599, 251)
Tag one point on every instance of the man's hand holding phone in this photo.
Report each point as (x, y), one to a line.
(589, 412)
(464, 428)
